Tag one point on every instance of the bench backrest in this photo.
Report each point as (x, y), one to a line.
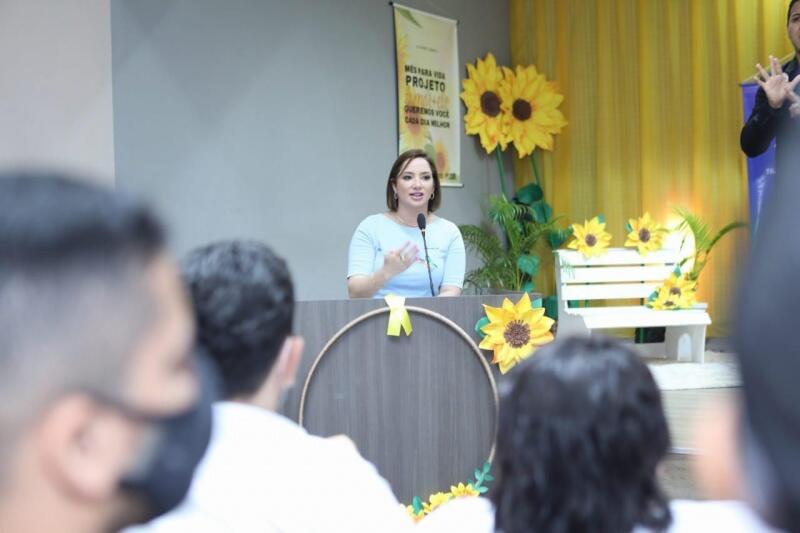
(621, 273)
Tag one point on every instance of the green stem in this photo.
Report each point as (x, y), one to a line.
(532, 159)
(501, 168)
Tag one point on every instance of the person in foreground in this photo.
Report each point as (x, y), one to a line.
(581, 434)
(101, 418)
(263, 472)
(387, 254)
(776, 113)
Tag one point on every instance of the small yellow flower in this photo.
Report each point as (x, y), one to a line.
(435, 500)
(514, 332)
(530, 114)
(481, 95)
(591, 238)
(646, 234)
(678, 291)
(461, 490)
(664, 301)
(414, 516)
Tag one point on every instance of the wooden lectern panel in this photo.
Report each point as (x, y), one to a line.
(421, 408)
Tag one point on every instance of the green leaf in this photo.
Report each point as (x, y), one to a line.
(489, 477)
(551, 307)
(537, 303)
(477, 474)
(677, 271)
(542, 212)
(601, 218)
(483, 490)
(558, 237)
(479, 326)
(406, 14)
(416, 504)
(528, 264)
(628, 227)
(529, 194)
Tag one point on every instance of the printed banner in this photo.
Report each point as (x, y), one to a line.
(761, 169)
(427, 89)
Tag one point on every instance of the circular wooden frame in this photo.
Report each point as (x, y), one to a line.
(411, 309)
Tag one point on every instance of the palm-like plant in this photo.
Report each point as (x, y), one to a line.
(704, 240)
(509, 262)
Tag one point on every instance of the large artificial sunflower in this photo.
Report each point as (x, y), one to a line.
(514, 332)
(481, 95)
(645, 234)
(590, 238)
(530, 114)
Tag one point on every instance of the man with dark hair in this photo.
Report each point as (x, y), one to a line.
(776, 113)
(98, 392)
(263, 472)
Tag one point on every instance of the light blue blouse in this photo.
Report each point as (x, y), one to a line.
(379, 234)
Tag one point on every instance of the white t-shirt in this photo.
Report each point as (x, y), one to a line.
(379, 234)
(263, 473)
(476, 515)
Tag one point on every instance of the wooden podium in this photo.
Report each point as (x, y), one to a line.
(422, 408)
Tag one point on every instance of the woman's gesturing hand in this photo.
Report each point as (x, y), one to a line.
(397, 261)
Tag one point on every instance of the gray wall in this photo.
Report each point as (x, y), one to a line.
(55, 86)
(275, 119)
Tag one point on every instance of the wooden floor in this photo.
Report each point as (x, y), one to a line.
(681, 407)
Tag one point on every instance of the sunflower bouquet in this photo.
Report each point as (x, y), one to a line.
(516, 107)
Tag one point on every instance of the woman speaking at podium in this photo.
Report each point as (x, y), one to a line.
(387, 252)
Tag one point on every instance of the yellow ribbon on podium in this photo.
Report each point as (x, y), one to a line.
(398, 316)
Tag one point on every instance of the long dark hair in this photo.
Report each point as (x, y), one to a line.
(581, 433)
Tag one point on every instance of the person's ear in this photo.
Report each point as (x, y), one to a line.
(289, 361)
(84, 448)
(717, 463)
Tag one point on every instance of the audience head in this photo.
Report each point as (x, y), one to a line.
(244, 306)
(396, 172)
(752, 443)
(95, 337)
(581, 433)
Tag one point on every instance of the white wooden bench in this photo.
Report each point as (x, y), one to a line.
(620, 274)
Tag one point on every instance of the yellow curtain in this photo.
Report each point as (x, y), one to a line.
(651, 93)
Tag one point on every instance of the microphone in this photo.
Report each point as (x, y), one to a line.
(421, 224)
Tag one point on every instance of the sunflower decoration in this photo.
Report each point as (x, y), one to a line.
(590, 238)
(677, 292)
(645, 234)
(473, 487)
(481, 95)
(461, 490)
(514, 332)
(530, 109)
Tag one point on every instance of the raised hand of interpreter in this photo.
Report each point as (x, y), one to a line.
(397, 261)
(776, 83)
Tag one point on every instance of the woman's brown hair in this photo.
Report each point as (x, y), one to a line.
(399, 166)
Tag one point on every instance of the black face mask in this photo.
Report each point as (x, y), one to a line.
(164, 477)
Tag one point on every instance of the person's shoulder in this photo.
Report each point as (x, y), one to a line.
(730, 516)
(372, 222)
(451, 227)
